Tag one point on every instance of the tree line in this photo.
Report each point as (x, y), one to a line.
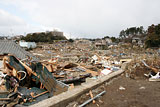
(132, 32)
(151, 36)
(42, 37)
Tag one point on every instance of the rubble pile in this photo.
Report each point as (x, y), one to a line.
(138, 70)
(27, 82)
(21, 82)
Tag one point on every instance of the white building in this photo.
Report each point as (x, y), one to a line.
(27, 44)
(108, 40)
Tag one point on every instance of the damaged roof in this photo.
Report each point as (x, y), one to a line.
(10, 47)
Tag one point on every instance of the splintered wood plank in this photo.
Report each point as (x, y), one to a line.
(93, 73)
(90, 92)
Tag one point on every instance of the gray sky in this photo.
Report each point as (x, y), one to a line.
(77, 18)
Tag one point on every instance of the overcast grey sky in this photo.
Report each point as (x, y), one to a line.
(77, 18)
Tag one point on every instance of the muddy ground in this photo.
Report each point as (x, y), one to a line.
(125, 92)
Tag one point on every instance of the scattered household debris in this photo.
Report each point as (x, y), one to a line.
(105, 72)
(155, 77)
(142, 88)
(142, 69)
(121, 88)
(63, 66)
(48, 77)
(154, 69)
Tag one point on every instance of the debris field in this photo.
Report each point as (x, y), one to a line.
(51, 69)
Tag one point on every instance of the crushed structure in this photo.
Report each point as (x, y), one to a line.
(10, 47)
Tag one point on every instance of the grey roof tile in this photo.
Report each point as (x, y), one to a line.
(11, 47)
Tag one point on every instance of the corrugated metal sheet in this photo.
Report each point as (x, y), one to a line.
(50, 83)
(11, 47)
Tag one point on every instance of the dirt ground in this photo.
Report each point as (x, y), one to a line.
(125, 92)
(137, 93)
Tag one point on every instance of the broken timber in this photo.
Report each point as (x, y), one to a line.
(38, 70)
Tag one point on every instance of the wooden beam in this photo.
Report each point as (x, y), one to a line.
(94, 73)
(90, 92)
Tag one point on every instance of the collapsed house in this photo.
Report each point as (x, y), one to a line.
(23, 78)
(10, 47)
(18, 76)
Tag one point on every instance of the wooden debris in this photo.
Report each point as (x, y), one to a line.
(71, 86)
(5, 99)
(89, 71)
(88, 101)
(32, 94)
(90, 92)
(97, 105)
(3, 92)
(29, 70)
(100, 101)
(152, 68)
